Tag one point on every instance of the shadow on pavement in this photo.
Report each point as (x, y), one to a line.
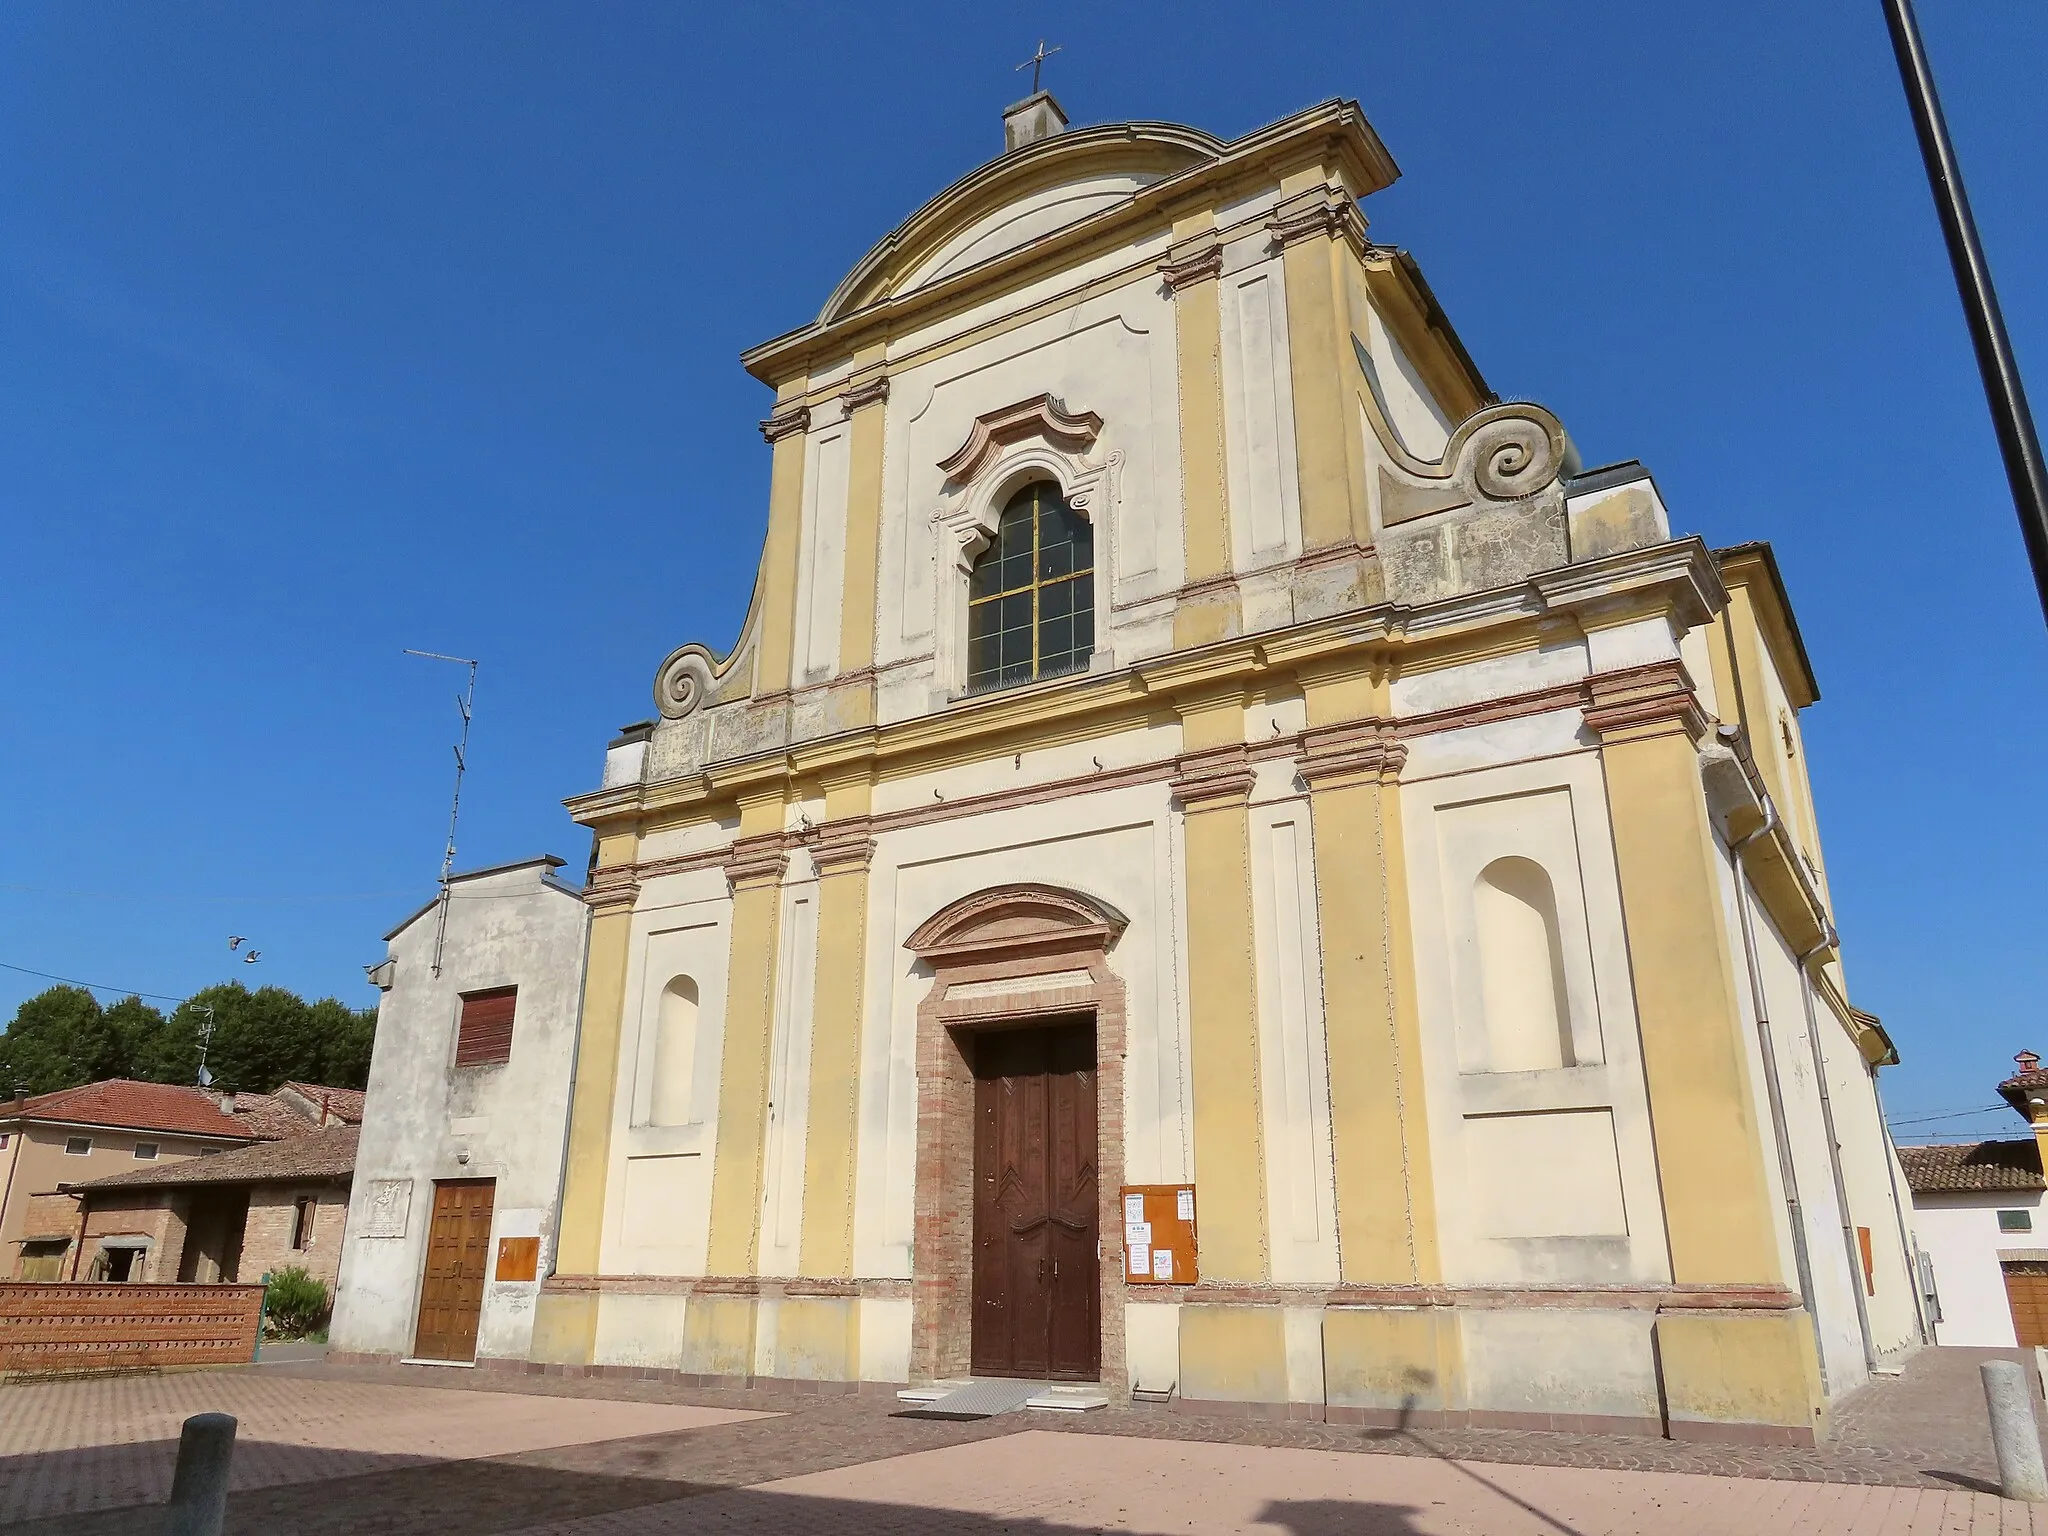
(483, 1498)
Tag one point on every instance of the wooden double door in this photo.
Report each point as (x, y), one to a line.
(1037, 1284)
(452, 1289)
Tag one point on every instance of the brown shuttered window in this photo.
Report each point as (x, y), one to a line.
(485, 1034)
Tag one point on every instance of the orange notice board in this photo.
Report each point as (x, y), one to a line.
(1159, 1234)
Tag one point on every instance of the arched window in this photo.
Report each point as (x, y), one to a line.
(1031, 595)
(1521, 968)
(675, 1055)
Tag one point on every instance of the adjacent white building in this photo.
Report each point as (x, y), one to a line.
(1977, 1212)
(451, 1224)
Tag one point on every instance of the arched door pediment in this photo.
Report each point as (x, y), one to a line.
(1013, 918)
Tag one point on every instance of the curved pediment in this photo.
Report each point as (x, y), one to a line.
(1017, 199)
(1014, 917)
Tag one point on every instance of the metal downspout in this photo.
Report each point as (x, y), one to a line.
(1800, 1259)
(569, 1110)
(1858, 1283)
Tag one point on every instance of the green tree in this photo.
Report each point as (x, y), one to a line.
(62, 1037)
(138, 1038)
(345, 1035)
(59, 1038)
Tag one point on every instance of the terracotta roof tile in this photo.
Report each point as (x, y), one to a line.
(270, 1118)
(342, 1103)
(127, 1105)
(2022, 1085)
(323, 1154)
(1975, 1165)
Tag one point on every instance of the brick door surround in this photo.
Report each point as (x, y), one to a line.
(1004, 957)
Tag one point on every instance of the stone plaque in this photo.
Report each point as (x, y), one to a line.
(385, 1211)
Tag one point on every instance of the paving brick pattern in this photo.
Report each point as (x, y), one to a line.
(110, 1442)
(1048, 1482)
(409, 1449)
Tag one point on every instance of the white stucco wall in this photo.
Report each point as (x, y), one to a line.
(1960, 1234)
(426, 1119)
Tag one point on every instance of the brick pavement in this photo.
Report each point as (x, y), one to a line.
(1046, 1482)
(1921, 1444)
(109, 1442)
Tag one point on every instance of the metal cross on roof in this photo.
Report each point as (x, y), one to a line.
(1037, 62)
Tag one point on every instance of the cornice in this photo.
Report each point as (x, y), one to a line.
(1360, 752)
(843, 846)
(784, 422)
(1434, 635)
(1192, 262)
(1336, 132)
(864, 392)
(609, 889)
(1681, 574)
(1374, 748)
(1325, 211)
(1645, 700)
(1217, 779)
(758, 860)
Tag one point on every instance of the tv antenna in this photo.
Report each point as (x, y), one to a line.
(205, 1040)
(462, 703)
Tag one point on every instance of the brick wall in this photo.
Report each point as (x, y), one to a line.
(50, 1214)
(267, 1238)
(103, 1327)
(154, 1214)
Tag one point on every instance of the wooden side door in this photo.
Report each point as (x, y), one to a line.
(452, 1289)
(2026, 1292)
(1035, 1215)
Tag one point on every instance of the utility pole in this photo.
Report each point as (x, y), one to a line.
(2007, 395)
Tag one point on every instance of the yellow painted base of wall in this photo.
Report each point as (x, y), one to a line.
(816, 1338)
(1233, 1354)
(718, 1336)
(1401, 1360)
(564, 1328)
(1741, 1368)
(1718, 1374)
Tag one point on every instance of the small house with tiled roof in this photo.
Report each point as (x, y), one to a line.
(235, 1216)
(75, 1135)
(1978, 1212)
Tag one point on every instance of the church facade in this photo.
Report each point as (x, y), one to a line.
(1224, 862)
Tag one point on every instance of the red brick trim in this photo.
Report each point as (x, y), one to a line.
(1005, 939)
(883, 1288)
(1578, 695)
(1658, 693)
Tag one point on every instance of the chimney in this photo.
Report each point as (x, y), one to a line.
(227, 1102)
(1035, 117)
(2027, 1092)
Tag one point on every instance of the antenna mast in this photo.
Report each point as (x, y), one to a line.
(464, 704)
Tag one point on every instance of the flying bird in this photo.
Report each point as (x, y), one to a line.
(252, 957)
(235, 941)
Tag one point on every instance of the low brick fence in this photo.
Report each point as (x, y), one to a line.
(96, 1327)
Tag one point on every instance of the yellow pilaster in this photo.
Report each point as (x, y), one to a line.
(1311, 225)
(1379, 1132)
(842, 854)
(565, 1323)
(1213, 787)
(1710, 1148)
(865, 399)
(1209, 611)
(754, 869)
(785, 431)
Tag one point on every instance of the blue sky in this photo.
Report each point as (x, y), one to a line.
(332, 329)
